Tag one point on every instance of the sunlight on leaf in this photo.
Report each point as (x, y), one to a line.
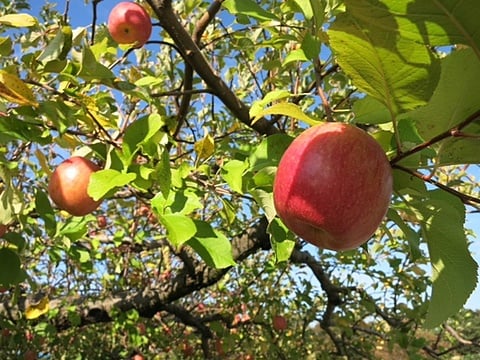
(34, 311)
(15, 90)
(287, 109)
(454, 271)
(18, 20)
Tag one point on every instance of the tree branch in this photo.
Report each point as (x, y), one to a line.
(150, 300)
(195, 58)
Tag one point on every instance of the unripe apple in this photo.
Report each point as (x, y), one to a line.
(333, 186)
(69, 183)
(129, 23)
(279, 323)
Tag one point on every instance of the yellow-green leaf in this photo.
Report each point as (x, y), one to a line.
(34, 311)
(204, 147)
(287, 109)
(18, 20)
(15, 90)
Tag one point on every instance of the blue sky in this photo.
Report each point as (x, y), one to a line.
(81, 16)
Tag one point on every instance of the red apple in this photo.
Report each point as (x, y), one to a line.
(102, 221)
(30, 355)
(279, 323)
(138, 357)
(333, 186)
(142, 328)
(187, 349)
(3, 229)
(69, 183)
(129, 23)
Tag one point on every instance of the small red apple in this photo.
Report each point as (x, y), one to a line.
(142, 328)
(333, 186)
(138, 357)
(29, 336)
(3, 229)
(30, 355)
(69, 183)
(279, 323)
(102, 221)
(187, 349)
(219, 347)
(129, 23)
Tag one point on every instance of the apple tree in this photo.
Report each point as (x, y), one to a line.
(182, 254)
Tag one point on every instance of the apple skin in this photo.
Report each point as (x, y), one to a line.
(69, 183)
(30, 355)
(102, 221)
(333, 186)
(279, 323)
(129, 23)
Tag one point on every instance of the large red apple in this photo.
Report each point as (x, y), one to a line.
(333, 186)
(69, 183)
(129, 23)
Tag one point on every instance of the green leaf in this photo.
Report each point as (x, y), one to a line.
(454, 271)
(437, 23)
(287, 109)
(453, 100)
(264, 177)
(140, 132)
(398, 72)
(76, 228)
(10, 271)
(180, 228)
(370, 111)
(103, 181)
(233, 172)
(413, 238)
(282, 240)
(460, 150)
(404, 183)
(91, 69)
(214, 248)
(18, 20)
(269, 97)
(311, 46)
(58, 48)
(294, 56)
(265, 200)
(80, 254)
(269, 151)
(204, 147)
(6, 46)
(249, 8)
(45, 211)
(306, 7)
(164, 173)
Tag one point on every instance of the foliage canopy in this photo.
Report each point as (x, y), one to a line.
(189, 130)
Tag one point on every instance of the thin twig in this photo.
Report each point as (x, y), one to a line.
(448, 133)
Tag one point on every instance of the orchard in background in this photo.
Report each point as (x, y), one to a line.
(166, 244)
